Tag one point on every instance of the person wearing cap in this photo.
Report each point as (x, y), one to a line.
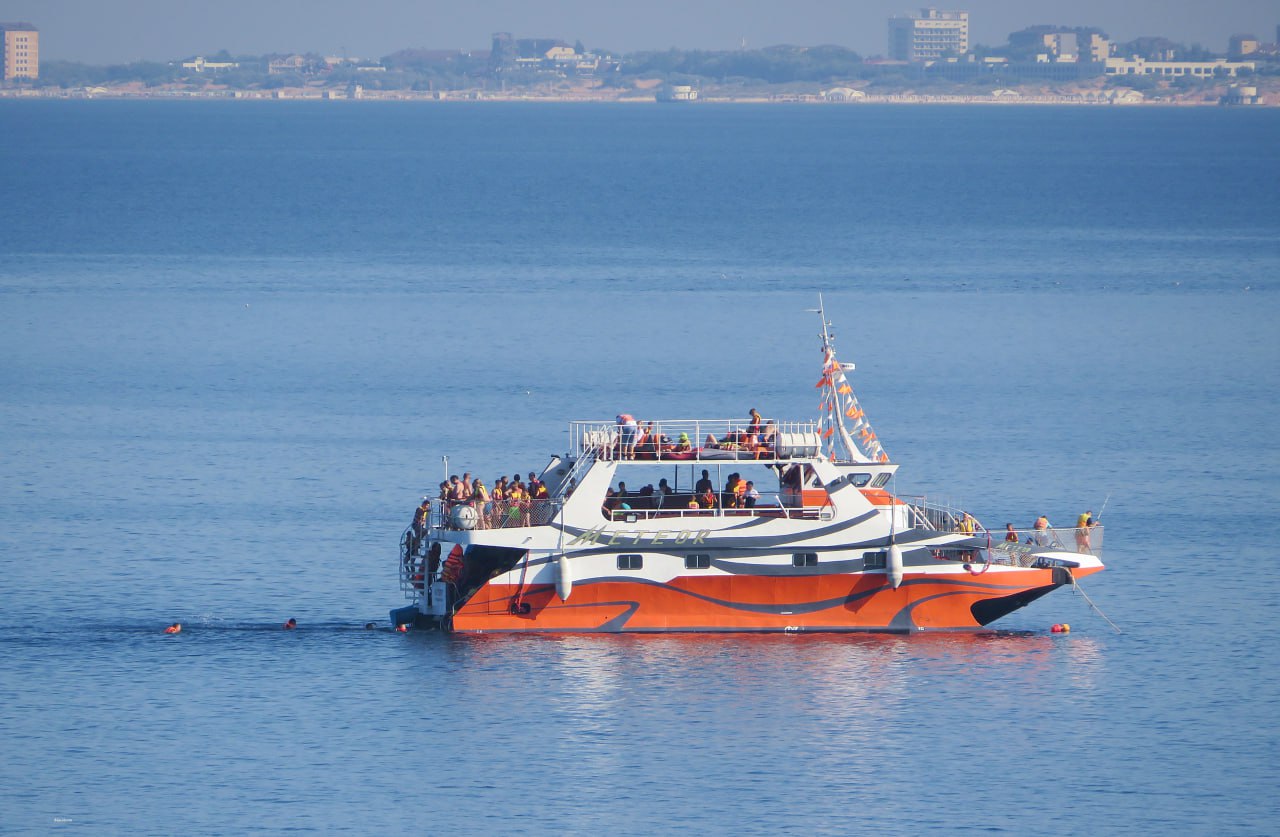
(683, 444)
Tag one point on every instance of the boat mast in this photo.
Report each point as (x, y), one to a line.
(839, 403)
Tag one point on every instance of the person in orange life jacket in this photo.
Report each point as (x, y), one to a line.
(175, 628)
(729, 498)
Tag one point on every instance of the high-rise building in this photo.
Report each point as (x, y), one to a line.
(21, 50)
(928, 36)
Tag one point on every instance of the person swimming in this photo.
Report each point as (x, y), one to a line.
(291, 624)
(175, 628)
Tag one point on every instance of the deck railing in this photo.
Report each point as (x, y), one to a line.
(708, 439)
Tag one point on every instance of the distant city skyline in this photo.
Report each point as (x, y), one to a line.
(98, 32)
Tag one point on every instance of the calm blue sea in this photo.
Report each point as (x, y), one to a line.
(237, 339)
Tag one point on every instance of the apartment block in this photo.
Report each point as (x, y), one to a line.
(928, 36)
(21, 51)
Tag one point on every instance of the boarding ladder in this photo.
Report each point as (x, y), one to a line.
(586, 458)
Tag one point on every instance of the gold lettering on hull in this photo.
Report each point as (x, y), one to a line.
(682, 537)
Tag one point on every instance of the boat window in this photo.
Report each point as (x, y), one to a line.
(859, 480)
(630, 562)
(874, 560)
(881, 480)
(697, 562)
(804, 559)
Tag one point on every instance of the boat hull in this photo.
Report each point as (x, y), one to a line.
(821, 603)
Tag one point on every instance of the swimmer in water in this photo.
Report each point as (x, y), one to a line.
(175, 628)
(369, 626)
(291, 624)
(404, 629)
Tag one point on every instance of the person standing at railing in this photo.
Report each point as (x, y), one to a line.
(1010, 536)
(480, 499)
(420, 515)
(756, 422)
(1041, 528)
(1083, 524)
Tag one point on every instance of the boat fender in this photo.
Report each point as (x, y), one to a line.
(564, 578)
(893, 567)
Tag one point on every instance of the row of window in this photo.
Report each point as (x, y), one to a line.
(870, 561)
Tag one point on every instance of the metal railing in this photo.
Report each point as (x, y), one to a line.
(935, 516)
(1086, 541)
(495, 514)
(708, 439)
(1024, 552)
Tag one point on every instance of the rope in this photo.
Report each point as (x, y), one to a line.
(1075, 586)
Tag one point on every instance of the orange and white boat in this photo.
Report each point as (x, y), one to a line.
(819, 540)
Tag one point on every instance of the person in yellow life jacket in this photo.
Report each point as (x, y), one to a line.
(480, 500)
(693, 503)
(1084, 523)
(967, 524)
(175, 628)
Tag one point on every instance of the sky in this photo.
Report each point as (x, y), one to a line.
(117, 31)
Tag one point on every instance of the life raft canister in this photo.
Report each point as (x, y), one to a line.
(452, 565)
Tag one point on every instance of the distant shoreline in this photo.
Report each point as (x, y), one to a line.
(1005, 100)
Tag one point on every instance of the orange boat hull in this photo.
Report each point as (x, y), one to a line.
(860, 602)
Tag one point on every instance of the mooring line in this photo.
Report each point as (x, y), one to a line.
(1075, 586)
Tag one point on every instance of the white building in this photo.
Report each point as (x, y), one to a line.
(1173, 69)
(931, 35)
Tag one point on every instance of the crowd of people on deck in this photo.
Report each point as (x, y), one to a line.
(737, 494)
(641, 440)
(510, 502)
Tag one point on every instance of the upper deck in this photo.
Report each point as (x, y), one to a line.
(695, 440)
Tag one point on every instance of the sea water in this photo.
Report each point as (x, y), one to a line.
(238, 339)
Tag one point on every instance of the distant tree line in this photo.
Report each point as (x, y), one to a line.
(771, 65)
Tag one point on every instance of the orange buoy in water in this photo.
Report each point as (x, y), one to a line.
(1066, 629)
(175, 628)
(1056, 629)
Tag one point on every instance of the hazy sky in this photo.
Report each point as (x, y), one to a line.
(104, 31)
